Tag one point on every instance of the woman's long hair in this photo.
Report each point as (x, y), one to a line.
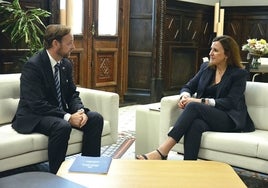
(231, 50)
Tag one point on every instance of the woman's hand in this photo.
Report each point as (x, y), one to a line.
(186, 100)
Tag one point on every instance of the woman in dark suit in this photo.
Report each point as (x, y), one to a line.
(51, 110)
(219, 104)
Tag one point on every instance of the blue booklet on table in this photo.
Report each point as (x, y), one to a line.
(99, 165)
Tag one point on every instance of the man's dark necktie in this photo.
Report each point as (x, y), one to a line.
(57, 83)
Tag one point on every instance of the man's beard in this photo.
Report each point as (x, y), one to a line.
(63, 55)
(66, 55)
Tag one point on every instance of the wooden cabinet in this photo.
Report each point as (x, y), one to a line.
(243, 23)
(169, 38)
(167, 42)
(187, 37)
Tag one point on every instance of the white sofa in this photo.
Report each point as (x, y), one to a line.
(244, 150)
(17, 150)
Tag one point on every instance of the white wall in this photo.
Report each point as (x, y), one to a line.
(231, 2)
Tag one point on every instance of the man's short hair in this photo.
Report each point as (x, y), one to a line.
(55, 32)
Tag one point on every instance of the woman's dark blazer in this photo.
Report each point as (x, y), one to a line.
(38, 96)
(229, 96)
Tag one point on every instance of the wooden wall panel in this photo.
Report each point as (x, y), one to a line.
(166, 46)
(183, 66)
(187, 39)
(243, 23)
(75, 59)
(106, 67)
(173, 28)
(139, 72)
(140, 49)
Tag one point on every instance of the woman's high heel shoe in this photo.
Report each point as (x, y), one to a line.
(163, 157)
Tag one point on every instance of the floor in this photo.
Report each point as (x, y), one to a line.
(126, 122)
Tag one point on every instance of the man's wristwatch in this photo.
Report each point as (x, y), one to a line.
(203, 100)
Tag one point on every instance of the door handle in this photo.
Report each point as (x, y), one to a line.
(92, 29)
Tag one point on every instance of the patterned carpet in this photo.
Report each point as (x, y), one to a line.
(252, 179)
(124, 142)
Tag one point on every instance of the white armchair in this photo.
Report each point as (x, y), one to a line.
(107, 104)
(17, 150)
(169, 114)
(246, 150)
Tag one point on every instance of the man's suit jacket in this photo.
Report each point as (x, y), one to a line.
(229, 96)
(38, 96)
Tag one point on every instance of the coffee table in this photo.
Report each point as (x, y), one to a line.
(155, 173)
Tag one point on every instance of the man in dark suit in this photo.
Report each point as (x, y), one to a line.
(52, 107)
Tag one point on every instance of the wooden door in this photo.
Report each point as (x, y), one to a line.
(103, 46)
(99, 55)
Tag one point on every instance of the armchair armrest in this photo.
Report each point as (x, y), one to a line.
(169, 113)
(106, 103)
